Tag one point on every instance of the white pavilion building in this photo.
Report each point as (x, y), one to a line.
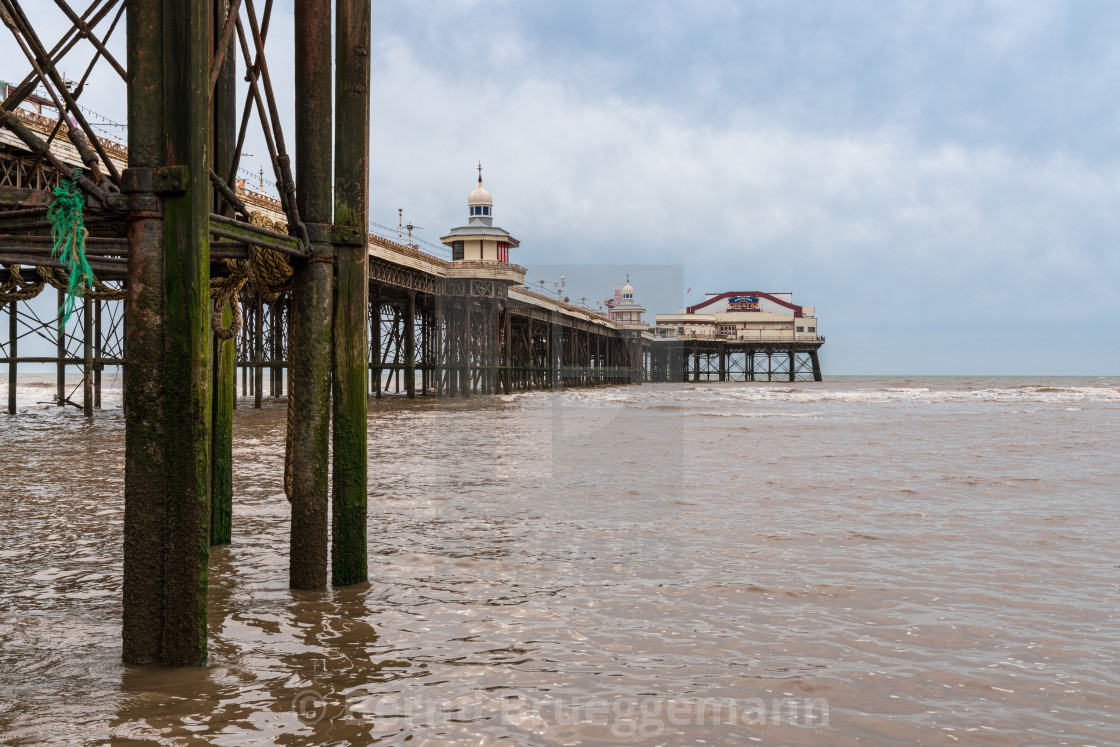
(624, 309)
(480, 240)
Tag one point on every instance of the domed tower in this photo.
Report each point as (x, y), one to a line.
(481, 206)
(480, 240)
(623, 308)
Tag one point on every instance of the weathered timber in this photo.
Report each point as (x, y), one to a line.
(25, 198)
(245, 233)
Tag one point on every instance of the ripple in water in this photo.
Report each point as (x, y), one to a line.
(869, 561)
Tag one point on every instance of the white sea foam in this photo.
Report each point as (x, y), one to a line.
(1016, 394)
(760, 414)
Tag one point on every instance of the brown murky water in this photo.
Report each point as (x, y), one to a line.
(864, 561)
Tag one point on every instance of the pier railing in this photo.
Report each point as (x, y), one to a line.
(747, 336)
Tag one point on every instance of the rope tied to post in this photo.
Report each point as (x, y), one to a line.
(15, 288)
(69, 233)
(266, 272)
(224, 291)
(57, 278)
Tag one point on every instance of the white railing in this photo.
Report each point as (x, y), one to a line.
(745, 336)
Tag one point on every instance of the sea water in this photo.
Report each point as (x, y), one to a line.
(859, 561)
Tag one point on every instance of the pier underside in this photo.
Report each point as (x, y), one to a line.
(733, 360)
(197, 277)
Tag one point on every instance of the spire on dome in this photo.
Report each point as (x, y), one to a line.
(623, 307)
(480, 204)
(480, 240)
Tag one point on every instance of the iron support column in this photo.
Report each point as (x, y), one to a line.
(258, 352)
(375, 345)
(167, 376)
(87, 357)
(312, 299)
(351, 212)
(98, 353)
(466, 375)
(13, 353)
(507, 382)
(410, 345)
(425, 351)
(225, 375)
(60, 350)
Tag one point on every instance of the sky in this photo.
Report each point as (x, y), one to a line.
(938, 179)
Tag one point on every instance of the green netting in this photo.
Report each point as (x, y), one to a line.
(69, 233)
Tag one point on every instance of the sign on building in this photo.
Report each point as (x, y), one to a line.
(742, 303)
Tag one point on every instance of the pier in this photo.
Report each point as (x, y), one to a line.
(204, 286)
